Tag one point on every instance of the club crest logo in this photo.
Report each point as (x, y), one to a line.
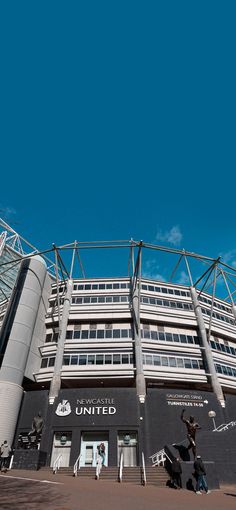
(63, 408)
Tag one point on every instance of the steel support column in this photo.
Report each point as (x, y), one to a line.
(56, 380)
(207, 349)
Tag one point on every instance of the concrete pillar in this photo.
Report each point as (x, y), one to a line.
(16, 338)
(140, 379)
(207, 348)
(56, 380)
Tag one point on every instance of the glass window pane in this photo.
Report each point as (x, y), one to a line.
(164, 361)
(180, 363)
(125, 358)
(66, 360)
(108, 359)
(116, 359)
(161, 336)
(169, 337)
(100, 333)
(91, 359)
(108, 333)
(76, 335)
(82, 359)
(116, 333)
(84, 334)
(172, 362)
(187, 363)
(124, 333)
(51, 362)
(74, 360)
(156, 360)
(99, 359)
(92, 334)
(44, 363)
(154, 335)
(69, 335)
(175, 337)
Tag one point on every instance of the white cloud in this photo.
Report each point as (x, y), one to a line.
(183, 278)
(150, 270)
(229, 257)
(6, 212)
(173, 236)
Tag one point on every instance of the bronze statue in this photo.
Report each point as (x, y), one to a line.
(192, 427)
(37, 426)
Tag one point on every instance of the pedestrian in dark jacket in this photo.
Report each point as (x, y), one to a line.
(5, 452)
(176, 473)
(200, 474)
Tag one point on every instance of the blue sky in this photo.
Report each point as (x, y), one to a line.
(118, 121)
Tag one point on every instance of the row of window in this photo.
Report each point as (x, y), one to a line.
(165, 302)
(218, 316)
(223, 348)
(165, 290)
(169, 361)
(102, 286)
(169, 337)
(91, 359)
(223, 369)
(124, 285)
(91, 334)
(116, 333)
(216, 305)
(100, 299)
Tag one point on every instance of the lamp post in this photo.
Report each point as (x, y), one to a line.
(212, 415)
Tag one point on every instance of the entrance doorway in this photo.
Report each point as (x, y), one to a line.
(61, 446)
(89, 444)
(127, 444)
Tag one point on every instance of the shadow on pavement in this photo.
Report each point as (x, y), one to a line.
(28, 495)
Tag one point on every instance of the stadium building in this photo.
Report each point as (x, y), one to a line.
(115, 359)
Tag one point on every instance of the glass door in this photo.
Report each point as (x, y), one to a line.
(89, 443)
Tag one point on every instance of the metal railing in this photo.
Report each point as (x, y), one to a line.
(121, 467)
(76, 466)
(143, 471)
(225, 426)
(57, 464)
(159, 458)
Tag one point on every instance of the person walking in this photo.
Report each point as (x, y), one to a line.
(102, 452)
(200, 474)
(176, 473)
(5, 452)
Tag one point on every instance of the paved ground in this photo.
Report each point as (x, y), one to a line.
(28, 490)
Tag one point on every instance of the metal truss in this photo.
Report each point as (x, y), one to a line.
(214, 277)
